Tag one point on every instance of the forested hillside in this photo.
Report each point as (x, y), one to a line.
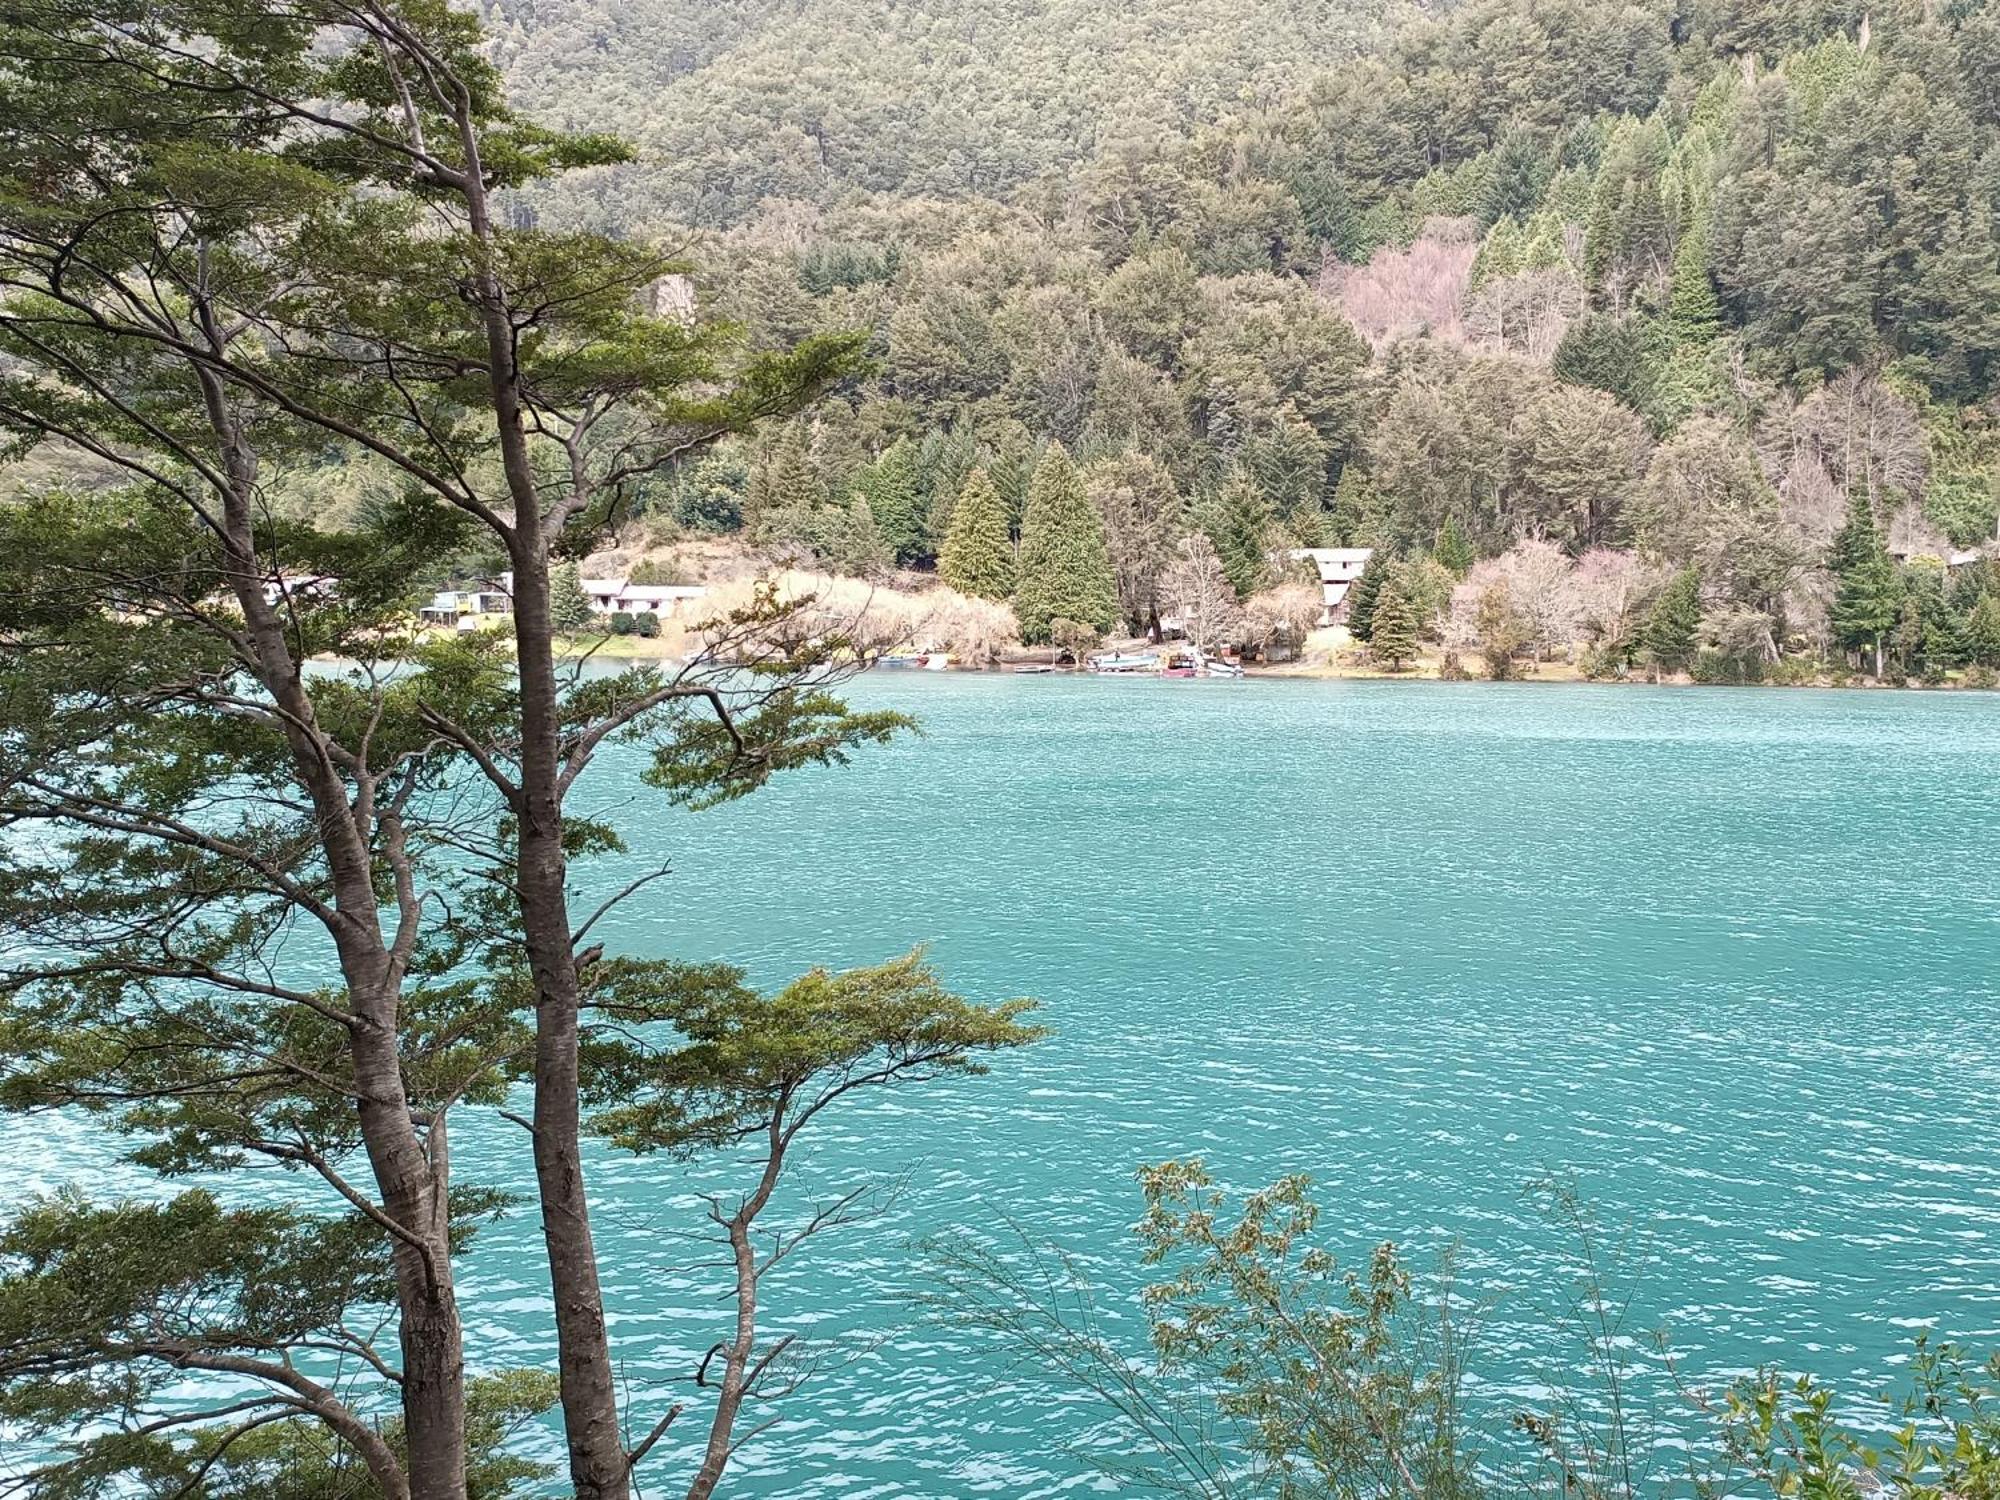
(1714, 287)
(736, 101)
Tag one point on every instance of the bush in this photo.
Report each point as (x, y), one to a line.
(646, 625)
(1603, 663)
(1795, 671)
(621, 623)
(1980, 677)
(1716, 668)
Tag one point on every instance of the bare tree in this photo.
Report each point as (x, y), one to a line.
(1199, 597)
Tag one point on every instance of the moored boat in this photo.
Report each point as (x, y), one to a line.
(1116, 663)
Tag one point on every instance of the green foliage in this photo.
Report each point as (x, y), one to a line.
(569, 606)
(1365, 592)
(1065, 571)
(1982, 632)
(708, 495)
(893, 489)
(1503, 632)
(1869, 596)
(1392, 634)
(1329, 1378)
(1239, 521)
(1453, 551)
(730, 1064)
(1673, 625)
(978, 557)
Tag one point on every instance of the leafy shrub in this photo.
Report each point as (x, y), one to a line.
(621, 623)
(646, 625)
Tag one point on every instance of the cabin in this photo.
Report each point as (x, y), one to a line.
(460, 608)
(612, 596)
(1338, 568)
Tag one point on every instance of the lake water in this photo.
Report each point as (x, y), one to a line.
(1725, 959)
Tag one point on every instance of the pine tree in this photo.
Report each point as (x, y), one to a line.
(1675, 621)
(894, 487)
(1354, 505)
(1452, 549)
(1982, 632)
(1867, 601)
(1362, 596)
(786, 492)
(1857, 540)
(569, 606)
(1065, 567)
(1392, 636)
(856, 544)
(1237, 524)
(1503, 253)
(978, 557)
(1694, 310)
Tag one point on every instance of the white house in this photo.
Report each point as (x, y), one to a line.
(1338, 568)
(611, 596)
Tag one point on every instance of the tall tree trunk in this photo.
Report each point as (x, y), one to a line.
(598, 1467)
(410, 1185)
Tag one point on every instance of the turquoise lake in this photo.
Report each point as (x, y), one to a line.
(1730, 961)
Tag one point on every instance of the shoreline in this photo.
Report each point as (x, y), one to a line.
(640, 648)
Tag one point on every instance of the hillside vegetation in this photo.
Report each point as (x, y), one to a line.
(1713, 287)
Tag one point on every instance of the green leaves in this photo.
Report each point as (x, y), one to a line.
(1335, 1382)
(727, 1062)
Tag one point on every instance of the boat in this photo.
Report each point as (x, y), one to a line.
(936, 661)
(900, 659)
(1117, 663)
(1034, 669)
(1210, 667)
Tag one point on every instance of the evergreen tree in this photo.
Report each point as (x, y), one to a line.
(1867, 601)
(1238, 524)
(1694, 310)
(569, 606)
(978, 557)
(1675, 622)
(893, 485)
(1607, 353)
(1857, 541)
(1982, 632)
(856, 544)
(786, 492)
(1392, 636)
(1354, 505)
(1362, 596)
(1065, 568)
(1452, 549)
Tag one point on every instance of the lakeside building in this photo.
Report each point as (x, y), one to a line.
(1338, 568)
(611, 596)
(460, 609)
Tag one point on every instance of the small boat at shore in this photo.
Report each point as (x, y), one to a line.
(1034, 669)
(1115, 663)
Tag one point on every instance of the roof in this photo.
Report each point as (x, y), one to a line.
(662, 591)
(1335, 554)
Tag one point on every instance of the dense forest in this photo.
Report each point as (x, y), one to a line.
(1577, 295)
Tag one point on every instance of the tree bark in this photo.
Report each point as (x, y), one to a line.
(599, 1469)
(410, 1186)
